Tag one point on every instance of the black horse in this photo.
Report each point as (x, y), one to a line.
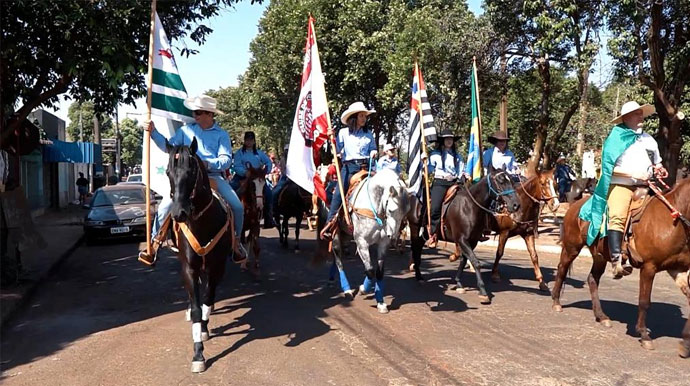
(292, 201)
(465, 221)
(200, 219)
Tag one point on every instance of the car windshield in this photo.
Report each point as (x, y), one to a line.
(134, 179)
(118, 197)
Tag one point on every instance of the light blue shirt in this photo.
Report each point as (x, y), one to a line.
(357, 145)
(386, 162)
(498, 159)
(242, 157)
(213, 144)
(453, 166)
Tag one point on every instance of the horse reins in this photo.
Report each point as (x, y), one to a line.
(505, 192)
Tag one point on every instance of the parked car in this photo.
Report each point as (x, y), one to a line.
(118, 211)
(134, 178)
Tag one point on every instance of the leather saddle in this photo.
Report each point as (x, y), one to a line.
(447, 199)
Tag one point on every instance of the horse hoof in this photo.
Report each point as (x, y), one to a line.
(460, 290)
(382, 307)
(647, 344)
(544, 287)
(350, 293)
(484, 299)
(198, 366)
(606, 323)
(205, 336)
(684, 350)
(557, 308)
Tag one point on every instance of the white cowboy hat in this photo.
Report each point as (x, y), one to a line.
(631, 106)
(357, 107)
(560, 157)
(388, 146)
(202, 102)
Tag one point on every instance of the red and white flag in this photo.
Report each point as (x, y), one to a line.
(310, 127)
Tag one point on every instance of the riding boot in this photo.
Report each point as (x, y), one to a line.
(327, 231)
(615, 240)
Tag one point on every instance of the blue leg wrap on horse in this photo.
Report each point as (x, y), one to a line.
(367, 284)
(378, 291)
(334, 270)
(344, 284)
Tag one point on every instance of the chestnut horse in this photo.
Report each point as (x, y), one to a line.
(660, 242)
(251, 194)
(200, 219)
(532, 193)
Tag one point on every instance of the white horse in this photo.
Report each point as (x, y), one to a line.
(379, 205)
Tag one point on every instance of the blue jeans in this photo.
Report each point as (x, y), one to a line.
(348, 170)
(224, 190)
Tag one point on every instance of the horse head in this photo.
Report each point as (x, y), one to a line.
(394, 200)
(547, 189)
(501, 186)
(187, 176)
(256, 178)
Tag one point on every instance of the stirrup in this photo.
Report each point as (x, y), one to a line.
(239, 254)
(327, 231)
(147, 259)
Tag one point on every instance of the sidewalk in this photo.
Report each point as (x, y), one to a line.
(62, 232)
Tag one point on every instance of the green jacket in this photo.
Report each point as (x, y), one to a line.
(595, 208)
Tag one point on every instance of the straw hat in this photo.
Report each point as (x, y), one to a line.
(631, 106)
(357, 107)
(203, 103)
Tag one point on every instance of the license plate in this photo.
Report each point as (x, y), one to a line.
(117, 230)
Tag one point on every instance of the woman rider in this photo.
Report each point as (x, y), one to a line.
(447, 167)
(356, 145)
(248, 153)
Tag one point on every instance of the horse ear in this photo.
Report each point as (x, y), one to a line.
(194, 147)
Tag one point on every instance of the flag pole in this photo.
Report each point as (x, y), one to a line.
(479, 116)
(425, 160)
(147, 135)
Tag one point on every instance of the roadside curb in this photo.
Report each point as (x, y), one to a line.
(517, 244)
(16, 306)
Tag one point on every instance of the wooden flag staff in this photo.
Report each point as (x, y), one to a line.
(147, 135)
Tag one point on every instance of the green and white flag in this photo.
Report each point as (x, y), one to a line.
(167, 105)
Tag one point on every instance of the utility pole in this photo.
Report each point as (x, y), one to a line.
(503, 114)
(96, 141)
(117, 146)
(81, 125)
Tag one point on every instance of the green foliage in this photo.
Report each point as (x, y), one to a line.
(131, 137)
(81, 116)
(95, 50)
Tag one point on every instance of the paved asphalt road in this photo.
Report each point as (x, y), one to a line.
(105, 319)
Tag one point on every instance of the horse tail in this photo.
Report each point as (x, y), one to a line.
(321, 254)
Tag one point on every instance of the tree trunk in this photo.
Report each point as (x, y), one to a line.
(669, 140)
(543, 123)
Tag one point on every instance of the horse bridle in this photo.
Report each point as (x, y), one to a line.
(196, 183)
(498, 195)
(544, 198)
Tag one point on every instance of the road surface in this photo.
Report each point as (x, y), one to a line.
(105, 319)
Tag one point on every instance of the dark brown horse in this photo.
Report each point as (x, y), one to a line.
(291, 201)
(251, 194)
(465, 221)
(658, 241)
(200, 219)
(534, 192)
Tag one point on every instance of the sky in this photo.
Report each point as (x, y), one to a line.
(225, 56)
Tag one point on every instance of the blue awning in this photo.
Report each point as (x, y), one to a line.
(73, 152)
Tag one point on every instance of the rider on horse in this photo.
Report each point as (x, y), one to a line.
(249, 154)
(216, 153)
(356, 145)
(388, 160)
(447, 167)
(499, 155)
(628, 157)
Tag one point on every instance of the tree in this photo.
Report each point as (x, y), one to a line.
(95, 50)
(131, 137)
(81, 116)
(540, 34)
(651, 41)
